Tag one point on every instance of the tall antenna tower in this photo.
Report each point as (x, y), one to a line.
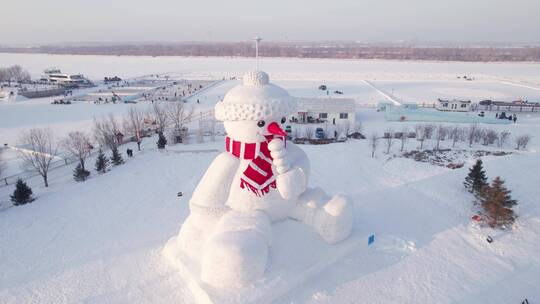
(257, 40)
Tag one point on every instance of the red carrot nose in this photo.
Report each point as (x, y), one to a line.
(274, 128)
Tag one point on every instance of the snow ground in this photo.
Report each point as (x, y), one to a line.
(477, 90)
(100, 241)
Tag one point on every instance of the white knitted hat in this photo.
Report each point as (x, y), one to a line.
(256, 99)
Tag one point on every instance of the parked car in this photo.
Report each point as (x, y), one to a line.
(319, 133)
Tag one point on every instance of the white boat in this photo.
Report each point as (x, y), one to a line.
(3, 95)
(55, 76)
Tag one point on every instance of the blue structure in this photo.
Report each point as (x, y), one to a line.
(371, 239)
(432, 115)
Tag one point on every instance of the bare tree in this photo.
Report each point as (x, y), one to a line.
(295, 133)
(490, 136)
(346, 126)
(18, 74)
(3, 75)
(338, 131)
(471, 133)
(357, 128)
(429, 129)
(388, 139)
(522, 141)
(404, 138)
(3, 165)
(374, 142)
(479, 135)
(420, 135)
(14, 73)
(106, 132)
(504, 136)
(213, 130)
(78, 145)
(309, 132)
(43, 150)
(440, 135)
(455, 133)
(178, 114)
(134, 124)
(159, 114)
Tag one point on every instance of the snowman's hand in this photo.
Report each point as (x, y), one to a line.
(291, 180)
(279, 155)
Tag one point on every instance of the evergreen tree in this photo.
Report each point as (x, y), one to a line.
(101, 162)
(116, 157)
(162, 141)
(22, 193)
(476, 179)
(497, 204)
(80, 174)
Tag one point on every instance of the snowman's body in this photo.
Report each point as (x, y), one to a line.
(229, 227)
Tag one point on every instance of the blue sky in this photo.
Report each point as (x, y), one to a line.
(39, 21)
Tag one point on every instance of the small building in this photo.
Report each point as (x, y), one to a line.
(410, 105)
(320, 110)
(384, 105)
(454, 105)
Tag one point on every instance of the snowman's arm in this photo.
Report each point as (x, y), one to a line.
(293, 169)
(213, 189)
(298, 158)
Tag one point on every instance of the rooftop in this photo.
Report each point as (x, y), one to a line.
(325, 104)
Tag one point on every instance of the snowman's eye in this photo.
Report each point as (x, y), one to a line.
(261, 123)
(283, 120)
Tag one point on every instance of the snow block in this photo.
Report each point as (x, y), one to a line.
(297, 254)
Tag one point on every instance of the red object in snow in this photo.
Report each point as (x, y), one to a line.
(476, 217)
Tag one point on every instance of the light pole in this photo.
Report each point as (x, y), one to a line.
(257, 40)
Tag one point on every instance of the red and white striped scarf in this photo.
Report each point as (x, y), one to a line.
(258, 176)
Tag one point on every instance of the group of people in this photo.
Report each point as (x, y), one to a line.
(511, 117)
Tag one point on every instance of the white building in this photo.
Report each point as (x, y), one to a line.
(331, 110)
(453, 105)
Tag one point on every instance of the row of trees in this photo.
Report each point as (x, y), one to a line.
(42, 148)
(351, 50)
(472, 134)
(174, 114)
(341, 129)
(14, 73)
(495, 199)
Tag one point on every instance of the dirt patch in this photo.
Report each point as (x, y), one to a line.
(448, 158)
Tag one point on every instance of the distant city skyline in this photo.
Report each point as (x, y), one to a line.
(459, 21)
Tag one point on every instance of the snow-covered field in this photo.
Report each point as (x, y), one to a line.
(100, 241)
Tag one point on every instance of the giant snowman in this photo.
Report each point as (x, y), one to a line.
(260, 179)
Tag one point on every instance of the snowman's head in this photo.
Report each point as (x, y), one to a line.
(255, 109)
